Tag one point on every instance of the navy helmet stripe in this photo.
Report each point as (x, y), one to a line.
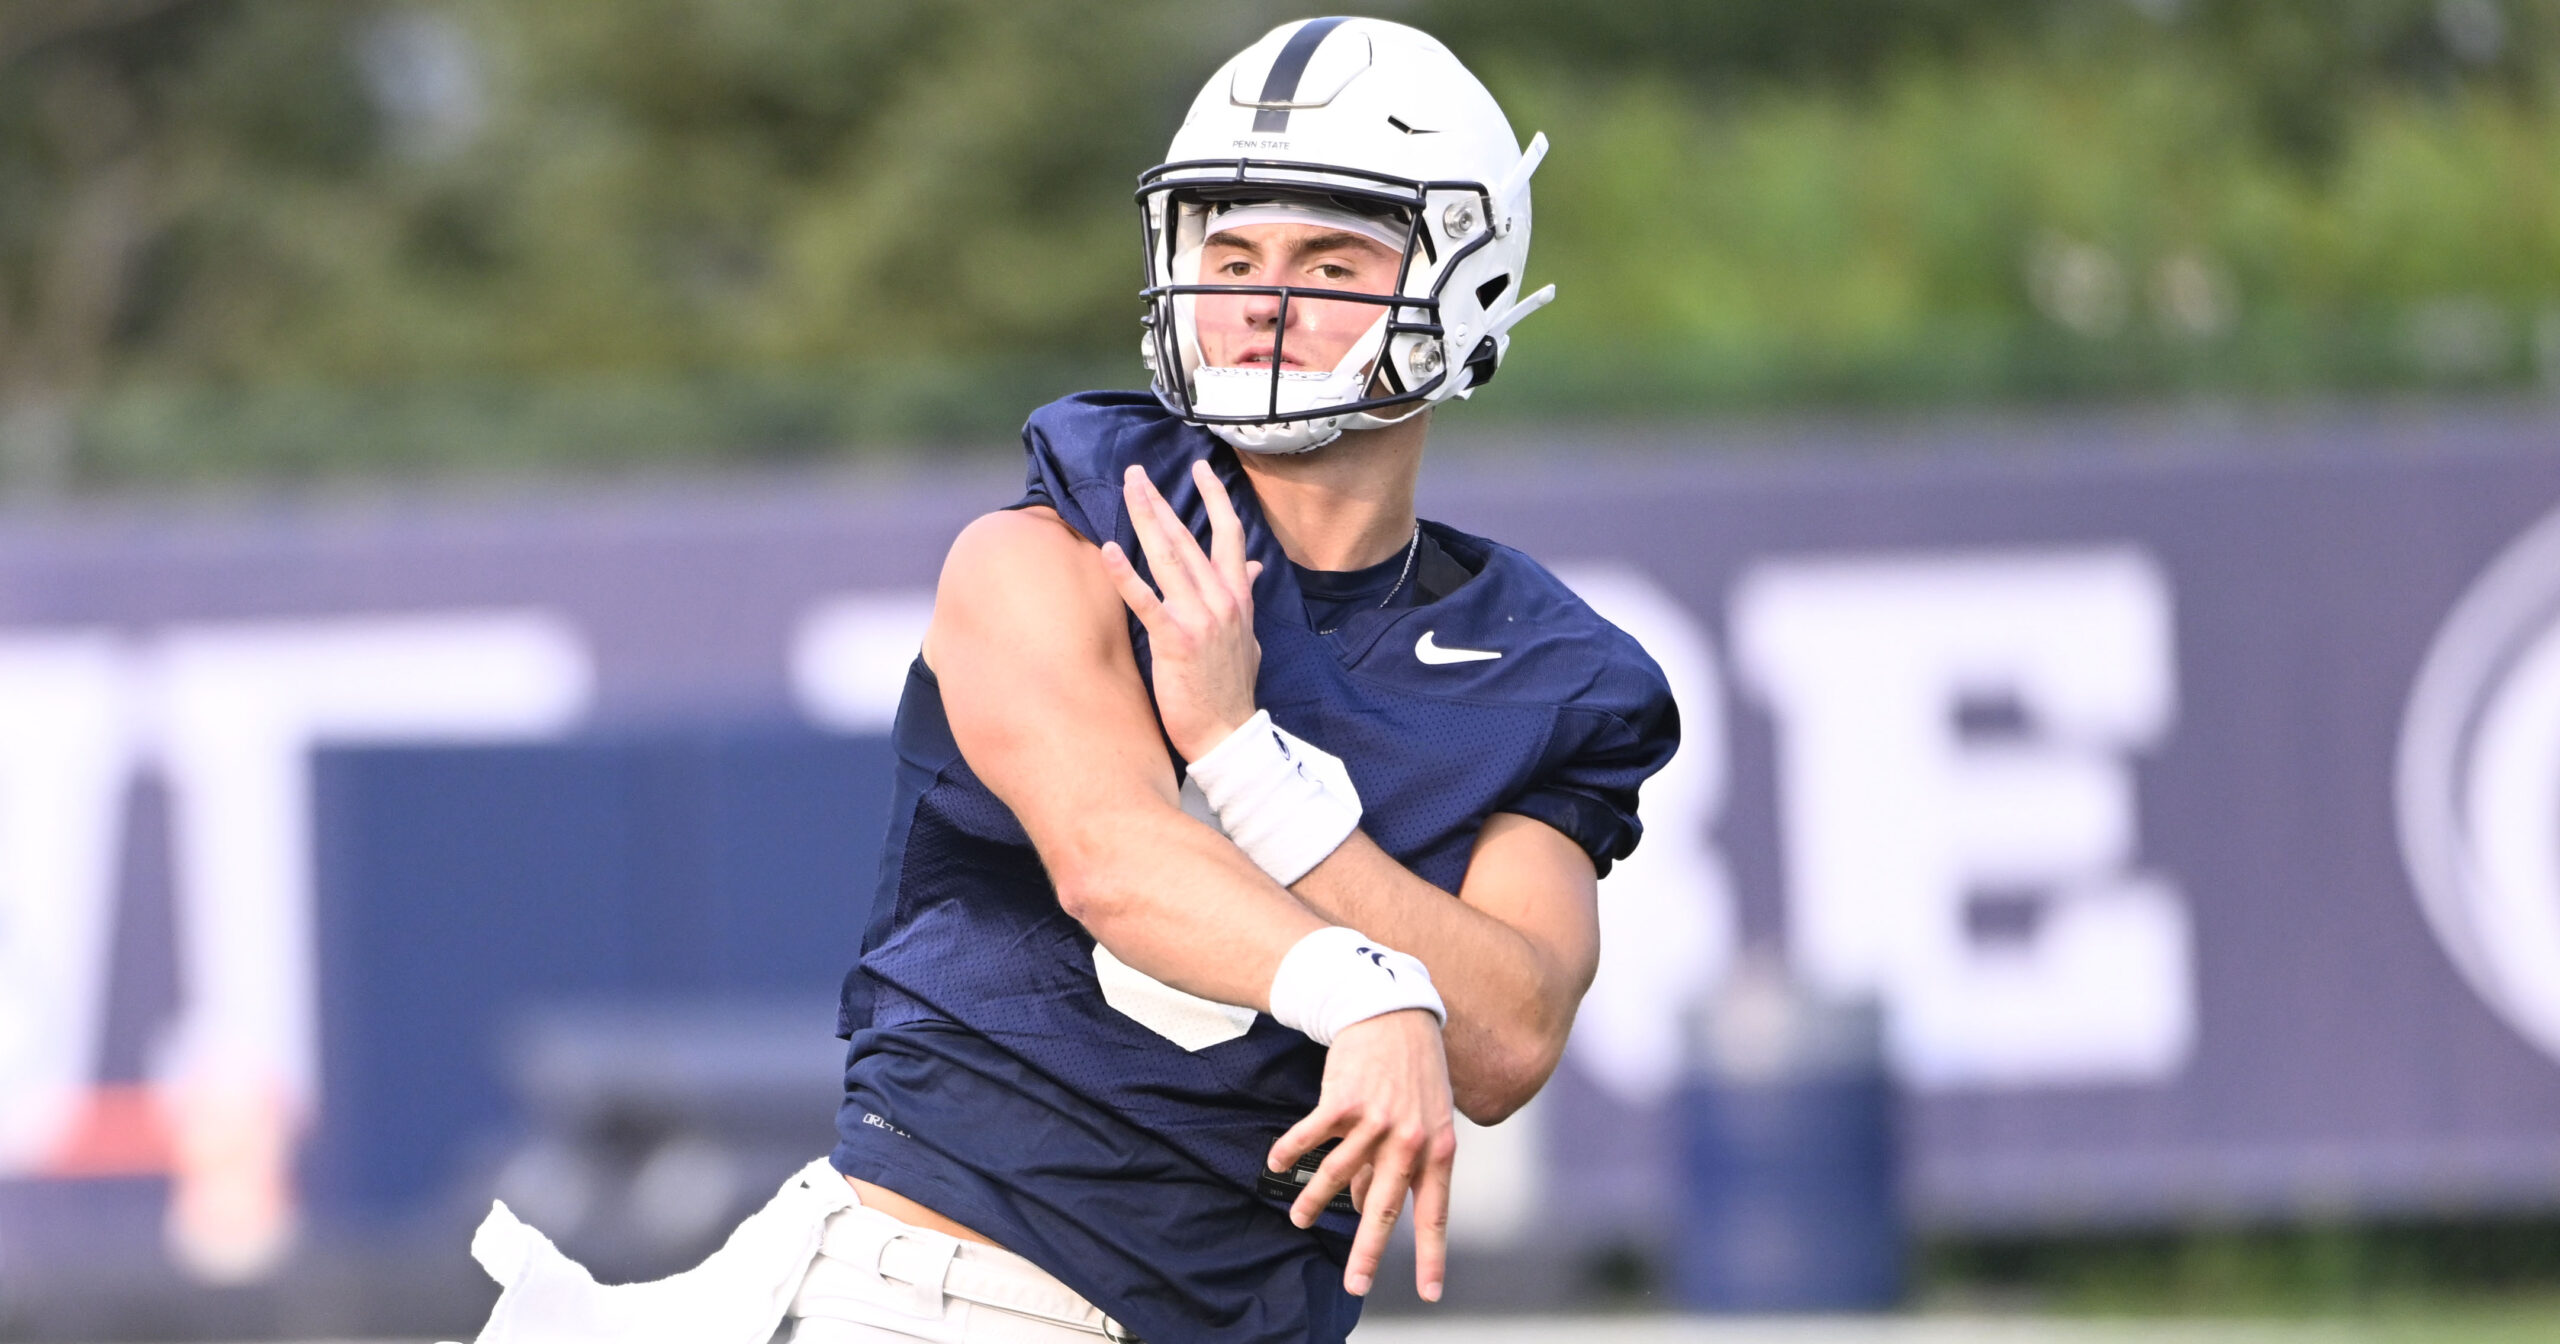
(1287, 69)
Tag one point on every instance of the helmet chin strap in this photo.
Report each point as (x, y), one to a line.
(1249, 391)
(1284, 439)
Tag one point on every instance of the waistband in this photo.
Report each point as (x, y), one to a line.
(864, 1251)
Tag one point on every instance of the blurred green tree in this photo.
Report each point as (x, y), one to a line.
(83, 193)
(282, 235)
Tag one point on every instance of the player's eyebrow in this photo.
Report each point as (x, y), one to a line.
(1340, 240)
(1224, 238)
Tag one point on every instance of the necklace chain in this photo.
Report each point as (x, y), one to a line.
(1411, 549)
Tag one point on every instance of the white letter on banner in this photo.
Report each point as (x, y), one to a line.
(2479, 785)
(850, 655)
(1667, 921)
(1898, 820)
(241, 707)
(2512, 823)
(65, 749)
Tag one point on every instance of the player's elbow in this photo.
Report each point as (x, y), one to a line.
(1090, 876)
(1491, 1097)
(1515, 1053)
(1108, 859)
(1085, 892)
(1100, 906)
(1505, 1075)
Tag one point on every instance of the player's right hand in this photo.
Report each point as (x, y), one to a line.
(1386, 1096)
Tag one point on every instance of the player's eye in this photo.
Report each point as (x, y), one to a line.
(1334, 270)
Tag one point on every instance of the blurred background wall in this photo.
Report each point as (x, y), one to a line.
(471, 476)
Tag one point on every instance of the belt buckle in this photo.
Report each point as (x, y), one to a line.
(1284, 1186)
(1117, 1333)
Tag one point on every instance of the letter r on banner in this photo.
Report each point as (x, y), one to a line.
(1957, 805)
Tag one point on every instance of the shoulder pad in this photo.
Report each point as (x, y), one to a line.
(1606, 669)
(1078, 447)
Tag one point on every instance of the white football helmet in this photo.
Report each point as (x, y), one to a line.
(1361, 121)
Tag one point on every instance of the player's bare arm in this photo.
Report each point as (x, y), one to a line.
(1046, 704)
(1512, 955)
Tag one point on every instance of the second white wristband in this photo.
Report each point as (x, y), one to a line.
(1335, 977)
(1272, 794)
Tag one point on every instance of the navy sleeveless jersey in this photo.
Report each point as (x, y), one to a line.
(989, 1077)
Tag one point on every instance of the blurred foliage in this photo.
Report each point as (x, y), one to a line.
(2023, 227)
(2379, 1271)
(287, 237)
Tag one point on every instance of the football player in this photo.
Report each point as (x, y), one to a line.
(1245, 823)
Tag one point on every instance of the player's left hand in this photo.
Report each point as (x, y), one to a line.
(1386, 1096)
(1200, 628)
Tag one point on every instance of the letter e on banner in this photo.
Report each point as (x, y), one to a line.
(1667, 922)
(1957, 805)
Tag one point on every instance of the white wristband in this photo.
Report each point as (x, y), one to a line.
(1271, 796)
(1337, 976)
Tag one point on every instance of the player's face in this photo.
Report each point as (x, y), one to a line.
(1243, 330)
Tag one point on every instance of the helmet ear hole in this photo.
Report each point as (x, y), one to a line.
(1492, 289)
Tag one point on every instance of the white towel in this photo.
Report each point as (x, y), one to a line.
(737, 1296)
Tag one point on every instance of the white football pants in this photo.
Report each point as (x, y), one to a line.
(877, 1278)
(842, 1273)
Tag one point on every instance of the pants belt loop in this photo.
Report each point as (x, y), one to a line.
(923, 1262)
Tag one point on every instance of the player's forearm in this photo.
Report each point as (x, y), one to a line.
(1174, 900)
(1510, 1004)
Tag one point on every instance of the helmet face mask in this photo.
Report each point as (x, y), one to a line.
(1271, 396)
(1392, 123)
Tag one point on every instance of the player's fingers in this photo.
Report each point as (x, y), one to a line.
(1360, 1186)
(1133, 589)
(1324, 1122)
(1175, 556)
(1214, 593)
(1164, 563)
(1226, 531)
(1334, 1174)
(1431, 1224)
(1385, 1205)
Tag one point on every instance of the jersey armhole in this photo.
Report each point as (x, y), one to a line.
(1586, 821)
(1039, 499)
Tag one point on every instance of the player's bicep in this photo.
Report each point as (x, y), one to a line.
(1031, 650)
(1541, 883)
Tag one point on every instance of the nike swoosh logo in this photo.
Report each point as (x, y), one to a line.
(1430, 652)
